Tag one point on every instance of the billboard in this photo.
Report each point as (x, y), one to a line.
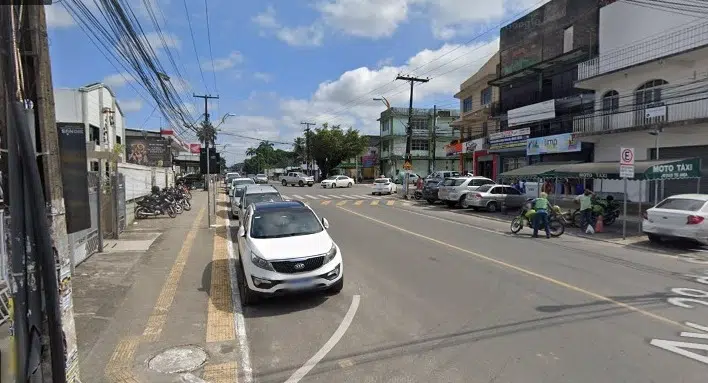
(559, 143)
(509, 139)
(149, 151)
(195, 148)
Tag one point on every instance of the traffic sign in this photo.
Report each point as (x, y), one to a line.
(627, 156)
(407, 165)
(626, 171)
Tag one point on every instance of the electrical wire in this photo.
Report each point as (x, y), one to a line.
(194, 44)
(211, 54)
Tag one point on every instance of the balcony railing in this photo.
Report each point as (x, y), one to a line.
(677, 109)
(665, 45)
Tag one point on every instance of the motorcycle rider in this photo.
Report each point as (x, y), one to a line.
(541, 205)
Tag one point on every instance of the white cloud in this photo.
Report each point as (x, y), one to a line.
(58, 17)
(132, 105)
(267, 19)
(364, 18)
(300, 36)
(118, 80)
(224, 63)
(156, 40)
(265, 77)
(245, 131)
(384, 62)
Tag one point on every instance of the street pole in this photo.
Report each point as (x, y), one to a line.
(307, 144)
(408, 163)
(207, 138)
(435, 137)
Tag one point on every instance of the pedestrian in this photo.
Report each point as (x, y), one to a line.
(585, 201)
(540, 204)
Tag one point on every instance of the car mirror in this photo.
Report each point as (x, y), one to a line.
(325, 223)
(241, 231)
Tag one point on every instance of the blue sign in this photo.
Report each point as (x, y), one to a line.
(560, 143)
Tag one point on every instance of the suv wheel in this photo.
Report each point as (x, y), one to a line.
(301, 184)
(285, 183)
(248, 296)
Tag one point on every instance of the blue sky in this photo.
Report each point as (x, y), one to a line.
(279, 62)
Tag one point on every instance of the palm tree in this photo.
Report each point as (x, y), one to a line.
(206, 133)
(250, 152)
(299, 149)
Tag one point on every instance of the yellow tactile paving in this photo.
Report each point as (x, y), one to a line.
(221, 373)
(119, 368)
(220, 314)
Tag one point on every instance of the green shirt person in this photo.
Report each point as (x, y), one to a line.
(585, 201)
(540, 204)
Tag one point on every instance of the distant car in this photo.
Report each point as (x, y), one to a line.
(297, 178)
(682, 216)
(237, 188)
(454, 190)
(261, 179)
(430, 190)
(283, 248)
(240, 181)
(491, 197)
(337, 182)
(384, 186)
(440, 175)
(412, 179)
(257, 193)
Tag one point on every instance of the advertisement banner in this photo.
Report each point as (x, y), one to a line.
(195, 148)
(148, 151)
(472, 146)
(453, 149)
(509, 139)
(368, 161)
(72, 155)
(559, 143)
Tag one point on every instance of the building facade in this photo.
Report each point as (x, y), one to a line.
(432, 138)
(650, 80)
(366, 164)
(477, 98)
(538, 66)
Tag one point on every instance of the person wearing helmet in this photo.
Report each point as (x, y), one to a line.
(541, 205)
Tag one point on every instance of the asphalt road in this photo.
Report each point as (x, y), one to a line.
(436, 296)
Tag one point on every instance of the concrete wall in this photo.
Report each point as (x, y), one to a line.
(138, 180)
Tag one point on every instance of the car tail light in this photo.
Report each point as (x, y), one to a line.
(644, 215)
(478, 196)
(694, 220)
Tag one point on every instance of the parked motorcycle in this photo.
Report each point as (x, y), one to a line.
(525, 218)
(608, 208)
(154, 205)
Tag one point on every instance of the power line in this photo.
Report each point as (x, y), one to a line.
(194, 44)
(211, 54)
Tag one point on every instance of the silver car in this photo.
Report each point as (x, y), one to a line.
(454, 190)
(261, 179)
(256, 193)
(491, 197)
(237, 185)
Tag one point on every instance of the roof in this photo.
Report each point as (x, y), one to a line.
(531, 171)
(701, 197)
(668, 169)
(263, 206)
(258, 189)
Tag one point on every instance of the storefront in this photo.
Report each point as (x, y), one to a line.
(454, 150)
(467, 159)
(486, 164)
(558, 148)
(510, 146)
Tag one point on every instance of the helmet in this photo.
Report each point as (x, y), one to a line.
(155, 189)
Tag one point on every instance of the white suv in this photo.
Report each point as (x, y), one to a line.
(284, 247)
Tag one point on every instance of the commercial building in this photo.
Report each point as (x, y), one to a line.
(537, 70)
(365, 165)
(477, 98)
(650, 79)
(433, 142)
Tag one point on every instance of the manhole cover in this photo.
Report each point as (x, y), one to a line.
(178, 359)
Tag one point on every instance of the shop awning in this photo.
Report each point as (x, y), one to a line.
(669, 169)
(540, 170)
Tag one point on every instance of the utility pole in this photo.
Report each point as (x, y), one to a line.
(208, 136)
(44, 332)
(435, 137)
(307, 144)
(407, 163)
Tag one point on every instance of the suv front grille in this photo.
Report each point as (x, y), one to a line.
(289, 267)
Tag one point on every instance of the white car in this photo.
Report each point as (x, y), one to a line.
(683, 216)
(383, 186)
(284, 247)
(337, 182)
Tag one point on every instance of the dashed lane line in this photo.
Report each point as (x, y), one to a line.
(310, 196)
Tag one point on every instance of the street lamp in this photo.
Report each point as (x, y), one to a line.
(223, 119)
(388, 107)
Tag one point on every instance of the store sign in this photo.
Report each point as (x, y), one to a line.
(149, 151)
(509, 139)
(683, 169)
(559, 143)
(453, 149)
(472, 146)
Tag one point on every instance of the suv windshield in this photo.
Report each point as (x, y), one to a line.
(454, 182)
(243, 182)
(284, 223)
(262, 197)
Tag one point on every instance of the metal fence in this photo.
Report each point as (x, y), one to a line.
(4, 270)
(86, 242)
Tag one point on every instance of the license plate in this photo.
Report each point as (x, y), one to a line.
(299, 283)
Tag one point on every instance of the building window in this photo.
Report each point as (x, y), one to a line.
(419, 124)
(467, 105)
(118, 140)
(94, 134)
(486, 96)
(568, 39)
(420, 145)
(94, 166)
(647, 96)
(512, 163)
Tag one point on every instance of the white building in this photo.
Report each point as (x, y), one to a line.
(651, 90)
(96, 107)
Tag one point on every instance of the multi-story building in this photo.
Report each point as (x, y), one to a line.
(650, 79)
(477, 98)
(431, 136)
(537, 69)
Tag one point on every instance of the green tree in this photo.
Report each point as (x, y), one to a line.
(206, 133)
(299, 150)
(330, 146)
(265, 156)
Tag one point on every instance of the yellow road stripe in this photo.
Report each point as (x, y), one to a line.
(340, 203)
(374, 203)
(390, 203)
(357, 203)
(221, 373)
(526, 271)
(326, 202)
(220, 314)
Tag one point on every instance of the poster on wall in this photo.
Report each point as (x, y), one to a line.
(149, 151)
(453, 149)
(472, 146)
(74, 174)
(559, 143)
(509, 139)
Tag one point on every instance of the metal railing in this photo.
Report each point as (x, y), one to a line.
(667, 44)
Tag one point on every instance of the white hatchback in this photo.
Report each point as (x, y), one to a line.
(284, 247)
(337, 182)
(683, 216)
(383, 186)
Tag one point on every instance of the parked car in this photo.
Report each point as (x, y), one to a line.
(681, 216)
(491, 197)
(297, 178)
(256, 193)
(240, 181)
(430, 190)
(261, 179)
(337, 182)
(284, 247)
(453, 190)
(412, 179)
(440, 175)
(384, 186)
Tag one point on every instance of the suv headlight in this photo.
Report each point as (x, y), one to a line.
(260, 262)
(330, 254)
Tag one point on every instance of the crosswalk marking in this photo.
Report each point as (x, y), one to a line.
(340, 203)
(297, 196)
(326, 202)
(374, 203)
(390, 203)
(357, 203)
(349, 196)
(322, 196)
(310, 196)
(336, 196)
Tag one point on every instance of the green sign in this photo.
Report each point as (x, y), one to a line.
(682, 169)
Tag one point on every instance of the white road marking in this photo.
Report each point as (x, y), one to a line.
(298, 196)
(239, 322)
(361, 196)
(285, 196)
(682, 348)
(338, 334)
(310, 196)
(323, 196)
(349, 196)
(335, 196)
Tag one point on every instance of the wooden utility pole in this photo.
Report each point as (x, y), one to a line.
(407, 162)
(208, 136)
(307, 144)
(435, 137)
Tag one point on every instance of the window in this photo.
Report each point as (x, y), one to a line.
(510, 190)
(610, 105)
(284, 223)
(419, 124)
(467, 104)
(118, 140)
(650, 92)
(685, 204)
(484, 188)
(481, 182)
(264, 197)
(420, 145)
(485, 98)
(94, 134)
(568, 39)
(94, 166)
